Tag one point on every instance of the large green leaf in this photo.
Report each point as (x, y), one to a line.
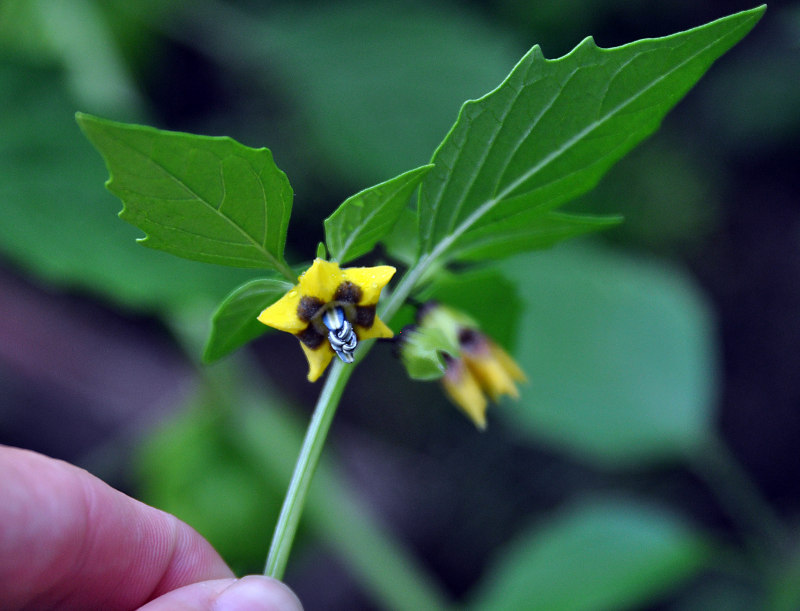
(619, 354)
(596, 555)
(366, 217)
(203, 198)
(235, 321)
(553, 128)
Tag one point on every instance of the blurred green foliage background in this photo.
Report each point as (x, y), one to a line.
(651, 462)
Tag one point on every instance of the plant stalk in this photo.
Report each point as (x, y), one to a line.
(761, 527)
(317, 432)
(304, 469)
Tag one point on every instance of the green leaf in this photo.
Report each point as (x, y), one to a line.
(528, 230)
(553, 128)
(402, 243)
(363, 219)
(597, 555)
(235, 321)
(55, 228)
(619, 353)
(198, 197)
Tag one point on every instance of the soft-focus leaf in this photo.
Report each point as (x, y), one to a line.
(94, 67)
(364, 218)
(529, 230)
(374, 83)
(619, 353)
(668, 193)
(63, 229)
(223, 465)
(191, 463)
(22, 30)
(203, 198)
(597, 555)
(487, 295)
(716, 590)
(553, 127)
(235, 321)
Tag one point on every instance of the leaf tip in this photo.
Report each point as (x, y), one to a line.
(208, 355)
(85, 120)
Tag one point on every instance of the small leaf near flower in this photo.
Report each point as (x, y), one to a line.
(323, 288)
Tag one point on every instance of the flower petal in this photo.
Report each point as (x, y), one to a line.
(318, 359)
(282, 314)
(321, 280)
(492, 377)
(321, 287)
(507, 363)
(370, 280)
(464, 390)
(378, 329)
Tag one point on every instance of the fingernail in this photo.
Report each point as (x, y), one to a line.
(257, 593)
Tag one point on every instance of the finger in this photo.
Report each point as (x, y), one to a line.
(251, 593)
(69, 541)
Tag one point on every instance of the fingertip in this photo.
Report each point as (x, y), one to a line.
(257, 593)
(87, 545)
(250, 593)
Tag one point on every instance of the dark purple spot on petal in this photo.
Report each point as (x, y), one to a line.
(308, 307)
(472, 341)
(347, 292)
(311, 337)
(468, 338)
(365, 316)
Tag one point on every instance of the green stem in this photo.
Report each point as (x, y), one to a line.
(397, 298)
(759, 524)
(317, 431)
(304, 470)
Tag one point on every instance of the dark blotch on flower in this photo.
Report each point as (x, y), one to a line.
(347, 292)
(311, 338)
(365, 316)
(308, 307)
(469, 338)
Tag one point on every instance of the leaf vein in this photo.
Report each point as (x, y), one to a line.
(489, 204)
(149, 159)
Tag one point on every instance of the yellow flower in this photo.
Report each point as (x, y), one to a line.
(474, 365)
(484, 366)
(464, 390)
(324, 292)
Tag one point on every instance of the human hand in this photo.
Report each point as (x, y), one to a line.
(70, 541)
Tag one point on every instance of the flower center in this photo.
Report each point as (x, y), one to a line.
(341, 335)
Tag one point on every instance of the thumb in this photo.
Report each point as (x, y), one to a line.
(250, 593)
